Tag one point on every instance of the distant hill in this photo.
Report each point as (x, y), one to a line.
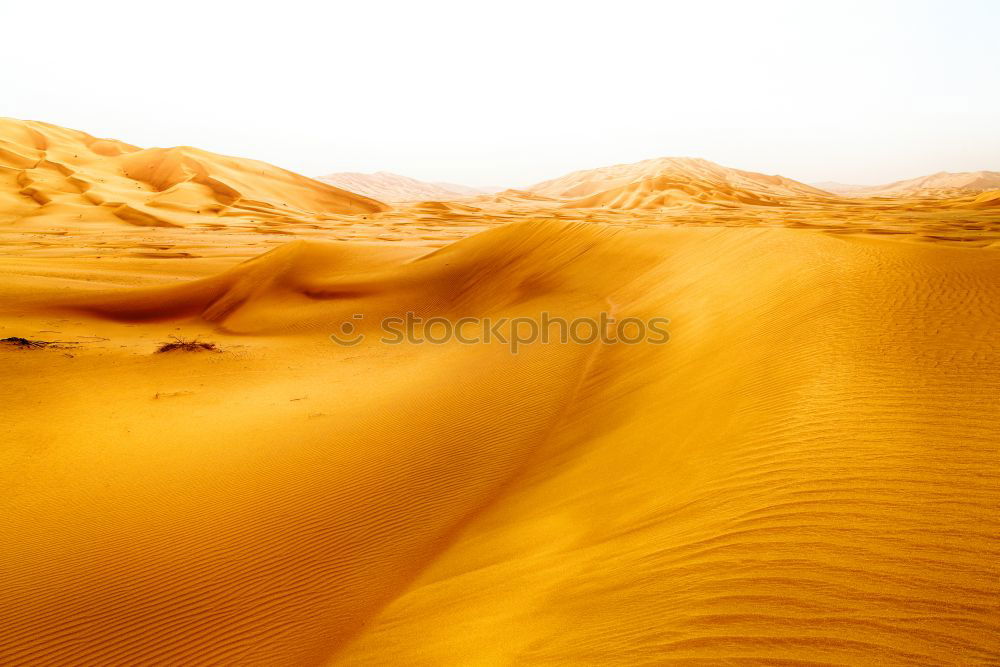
(941, 185)
(672, 182)
(838, 188)
(386, 186)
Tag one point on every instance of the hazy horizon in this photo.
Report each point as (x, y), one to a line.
(851, 92)
(611, 164)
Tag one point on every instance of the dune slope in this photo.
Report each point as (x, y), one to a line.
(805, 473)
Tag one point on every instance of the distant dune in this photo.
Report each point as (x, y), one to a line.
(514, 197)
(672, 182)
(386, 186)
(50, 174)
(940, 185)
(985, 199)
(838, 188)
(469, 190)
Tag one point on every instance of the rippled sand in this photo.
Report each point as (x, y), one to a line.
(807, 473)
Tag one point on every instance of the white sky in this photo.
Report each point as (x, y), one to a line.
(513, 92)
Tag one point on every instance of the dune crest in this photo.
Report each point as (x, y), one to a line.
(764, 487)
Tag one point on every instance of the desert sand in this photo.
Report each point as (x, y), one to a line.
(807, 472)
(389, 187)
(941, 185)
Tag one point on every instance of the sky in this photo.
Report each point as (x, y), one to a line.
(511, 93)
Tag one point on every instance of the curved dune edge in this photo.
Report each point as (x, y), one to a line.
(806, 472)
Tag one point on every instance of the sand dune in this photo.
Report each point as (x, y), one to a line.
(988, 199)
(514, 198)
(445, 206)
(469, 190)
(670, 191)
(838, 188)
(671, 182)
(51, 175)
(940, 185)
(805, 474)
(386, 186)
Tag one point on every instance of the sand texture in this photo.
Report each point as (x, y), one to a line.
(806, 474)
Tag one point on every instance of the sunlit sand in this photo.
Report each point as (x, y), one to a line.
(806, 473)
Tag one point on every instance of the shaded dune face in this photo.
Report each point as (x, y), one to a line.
(52, 175)
(805, 473)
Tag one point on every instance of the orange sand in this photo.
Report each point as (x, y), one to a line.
(806, 474)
